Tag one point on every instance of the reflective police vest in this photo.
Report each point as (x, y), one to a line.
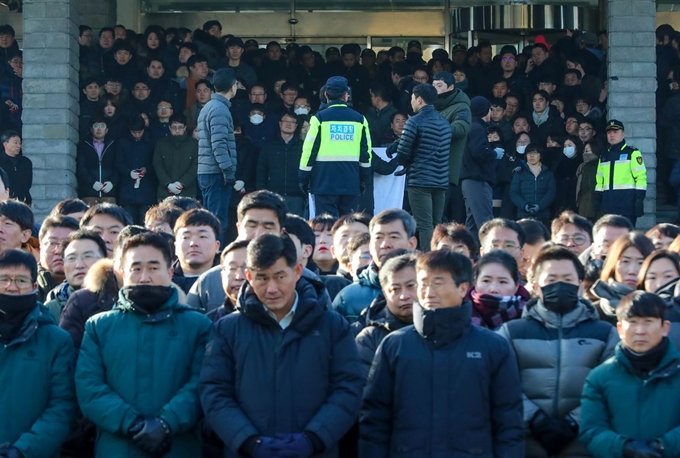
(622, 178)
(336, 155)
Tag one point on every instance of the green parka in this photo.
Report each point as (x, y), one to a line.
(618, 405)
(37, 400)
(455, 107)
(133, 364)
(175, 158)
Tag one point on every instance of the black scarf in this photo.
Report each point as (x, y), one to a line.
(148, 299)
(644, 363)
(13, 312)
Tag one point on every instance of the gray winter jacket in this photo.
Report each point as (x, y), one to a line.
(555, 355)
(216, 142)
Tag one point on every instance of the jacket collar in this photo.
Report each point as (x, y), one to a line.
(162, 314)
(449, 98)
(40, 316)
(369, 276)
(221, 98)
(610, 293)
(584, 311)
(310, 306)
(669, 365)
(442, 326)
(378, 314)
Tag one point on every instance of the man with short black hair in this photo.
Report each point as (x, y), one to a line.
(391, 310)
(553, 370)
(203, 92)
(502, 234)
(217, 155)
(234, 50)
(16, 225)
(380, 114)
(198, 71)
(614, 421)
(80, 251)
(196, 246)
(143, 398)
(336, 160)
(53, 231)
(442, 350)
(106, 220)
(37, 366)
(423, 150)
(162, 218)
(237, 393)
(390, 230)
(606, 231)
(572, 231)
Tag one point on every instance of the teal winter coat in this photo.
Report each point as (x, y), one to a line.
(133, 364)
(37, 399)
(618, 405)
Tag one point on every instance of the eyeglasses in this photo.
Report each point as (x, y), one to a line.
(164, 107)
(19, 282)
(117, 85)
(581, 104)
(300, 106)
(177, 128)
(99, 126)
(52, 244)
(508, 59)
(577, 239)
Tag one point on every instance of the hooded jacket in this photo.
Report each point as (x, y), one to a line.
(159, 380)
(175, 158)
(470, 403)
(424, 149)
(99, 293)
(555, 354)
(38, 405)
(354, 298)
(455, 107)
(261, 380)
(651, 410)
(379, 323)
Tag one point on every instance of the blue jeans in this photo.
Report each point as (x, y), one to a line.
(216, 197)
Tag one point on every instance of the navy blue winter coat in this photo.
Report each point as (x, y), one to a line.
(424, 149)
(442, 388)
(260, 380)
(479, 159)
(528, 189)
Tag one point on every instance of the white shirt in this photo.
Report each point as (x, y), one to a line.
(288, 319)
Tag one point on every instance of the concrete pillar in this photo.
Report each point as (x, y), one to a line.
(96, 13)
(632, 84)
(129, 14)
(50, 116)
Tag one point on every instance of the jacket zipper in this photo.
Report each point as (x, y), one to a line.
(559, 367)
(612, 164)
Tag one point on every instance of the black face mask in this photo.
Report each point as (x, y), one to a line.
(560, 297)
(148, 298)
(13, 313)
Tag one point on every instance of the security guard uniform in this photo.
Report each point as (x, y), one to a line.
(621, 180)
(336, 156)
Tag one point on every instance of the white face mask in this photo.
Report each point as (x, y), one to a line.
(256, 119)
(569, 151)
(521, 149)
(301, 111)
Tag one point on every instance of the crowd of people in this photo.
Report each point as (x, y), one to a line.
(225, 286)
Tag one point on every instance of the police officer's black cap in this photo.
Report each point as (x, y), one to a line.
(235, 41)
(614, 124)
(459, 48)
(332, 50)
(414, 44)
(337, 85)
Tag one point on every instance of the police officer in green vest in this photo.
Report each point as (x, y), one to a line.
(336, 156)
(621, 180)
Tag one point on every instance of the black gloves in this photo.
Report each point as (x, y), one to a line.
(639, 449)
(552, 433)
(228, 175)
(152, 436)
(639, 207)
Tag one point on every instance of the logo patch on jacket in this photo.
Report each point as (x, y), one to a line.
(342, 133)
(623, 157)
(639, 160)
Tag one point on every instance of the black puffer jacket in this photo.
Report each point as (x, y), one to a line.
(472, 403)
(479, 160)
(528, 189)
(278, 165)
(379, 323)
(424, 149)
